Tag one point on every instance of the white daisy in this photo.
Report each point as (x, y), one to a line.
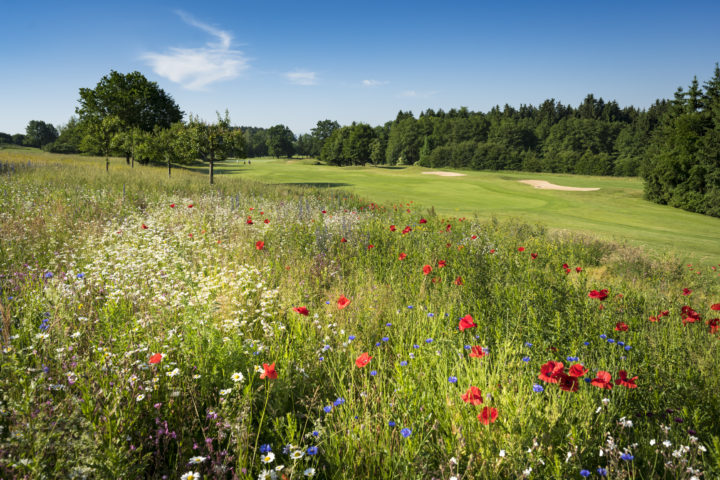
(237, 377)
(190, 476)
(225, 392)
(173, 373)
(140, 397)
(309, 472)
(268, 457)
(196, 460)
(297, 454)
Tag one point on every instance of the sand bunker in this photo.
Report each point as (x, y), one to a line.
(445, 174)
(551, 186)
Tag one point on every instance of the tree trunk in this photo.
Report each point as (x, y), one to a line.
(132, 165)
(212, 171)
(107, 164)
(127, 158)
(169, 168)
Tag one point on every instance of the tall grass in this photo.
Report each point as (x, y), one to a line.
(102, 272)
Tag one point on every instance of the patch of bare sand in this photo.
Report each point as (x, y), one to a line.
(445, 174)
(551, 186)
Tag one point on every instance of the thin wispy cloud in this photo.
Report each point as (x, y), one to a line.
(196, 68)
(373, 83)
(416, 94)
(302, 77)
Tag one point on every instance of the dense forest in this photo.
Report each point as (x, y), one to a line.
(674, 144)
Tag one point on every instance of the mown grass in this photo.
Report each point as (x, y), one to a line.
(94, 283)
(617, 212)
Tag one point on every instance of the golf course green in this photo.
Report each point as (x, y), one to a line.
(617, 211)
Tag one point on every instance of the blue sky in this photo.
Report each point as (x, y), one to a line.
(299, 62)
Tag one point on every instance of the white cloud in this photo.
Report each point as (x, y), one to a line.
(302, 77)
(373, 83)
(408, 93)
(416, 94)
(195, 68)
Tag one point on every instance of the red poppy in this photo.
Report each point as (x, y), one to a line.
(473, 237)
(402, 256)
(459, 281)
(624, 380)
(324, 211)
(492, 251)
(567, 271)
(603, 380)
(534, 255)
(488, 415)
(550, 371)
(392, 228)
(172, 205)
(577, 370)
(371, 246)
(406, 230)
(621, 327)
(654, 319)
(578, 269)
(249, 221)
(601, 295)
(363, 360)
(686, 291)
(448, 227)
(466, 322)
(521, 249)
(691, 316)
(343, 240)
(302, 310)
(664, 313)
(190, 206)
(441, 263)
(715, 306)
(714, 325)
(343, 302)
(477, 352)
(422, 220)
(156, 358)
(473, 396)
(268, 371)
(144, 227)
(567, 382)
(427, 269)
(266, 220)
(259, 244)
(565, 266)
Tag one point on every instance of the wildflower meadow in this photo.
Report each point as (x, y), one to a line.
(157, 327)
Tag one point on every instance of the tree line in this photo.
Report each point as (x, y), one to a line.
(674, 144)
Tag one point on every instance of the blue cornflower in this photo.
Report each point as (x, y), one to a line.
(321, 358)
(610, 340)
(429, 340)
(620, 344)
(586, 343)
(587, 380)
(80, 275)
(602, 472)
(373, 373)
(410, 306)
(416, 346)
(391, 423)
(538, 388)
(447, 314)
(526, 359)
(312, 450)
(264, 448)
(385, 339)
(326, 348)
(351, 337)
(573, 359)
(377, 344)
(328, 409)
(406, 432)
(452, 379)
(339, 401)
(327, 303)
(603, 336)
(316, 433)
(411, 355)
(627, 457)
(468, 347)
(388, 324)
(528, 344)
(403, 363)
(628, 348)
(585, 473)
(431, 314)
(49, 275)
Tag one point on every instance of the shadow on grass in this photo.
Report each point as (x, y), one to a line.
(315, 184)
(391, 167)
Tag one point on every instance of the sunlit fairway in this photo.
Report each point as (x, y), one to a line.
(617, 211)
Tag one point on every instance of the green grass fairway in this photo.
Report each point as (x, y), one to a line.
(617, 211)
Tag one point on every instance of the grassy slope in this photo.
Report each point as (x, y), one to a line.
(616, 212)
